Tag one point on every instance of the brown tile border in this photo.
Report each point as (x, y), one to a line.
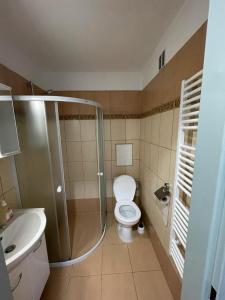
(159, 109)
(172, 278)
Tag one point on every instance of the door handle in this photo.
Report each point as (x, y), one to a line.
(59, 189)
(100, 173)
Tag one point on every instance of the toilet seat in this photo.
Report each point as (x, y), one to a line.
(124, 188)
(127, 212)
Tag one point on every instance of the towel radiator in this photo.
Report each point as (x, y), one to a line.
(185, 159)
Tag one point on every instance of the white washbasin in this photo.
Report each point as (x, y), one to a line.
(23, 231)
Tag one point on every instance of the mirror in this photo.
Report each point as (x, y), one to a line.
(9, 143)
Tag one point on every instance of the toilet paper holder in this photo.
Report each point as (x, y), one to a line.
(163, 193)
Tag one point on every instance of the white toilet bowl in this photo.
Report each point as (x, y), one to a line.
(126, 212)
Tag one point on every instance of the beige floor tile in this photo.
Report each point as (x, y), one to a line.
(115, 259)
(84, 288)
(92, 265)
(152, 286)
(87, 232)
(111, 236)
(57, 284)
(118, 286)
(143, 257)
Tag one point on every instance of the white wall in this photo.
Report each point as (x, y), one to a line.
(90, 81)
(190, 17)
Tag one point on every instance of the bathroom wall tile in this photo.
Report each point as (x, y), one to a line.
(172, 167)
(77, 189)
(118, 286)
(89, 151)
(109, 192)
(6, 174)
(164, 164)
(72, 130)
(155, 129)
(143, 257)
(142, 129)
(74, 151)
(11, 199)
(134, 169)
(75, 170)
(107, 130)
(84, 287)
(135, 148)
(117, 171)
(62, 130)
(91, 189)
(108, 169)
(90, 171)
(132, 129)
(148, 129)
(67, 188)
(118, 129)
(154, 158)
(166, 125)
(175, 127)
(147, 155)
(88, 130)
(113, 144)
(64, 151)
(115, 259)
(142, 150)
(151, 286)
(107, 150)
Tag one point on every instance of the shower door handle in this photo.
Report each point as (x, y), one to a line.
(100, 173)
(59, 189)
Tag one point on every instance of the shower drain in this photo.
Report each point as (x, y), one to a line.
(10, 248)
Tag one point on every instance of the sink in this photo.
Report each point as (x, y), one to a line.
(21, 234)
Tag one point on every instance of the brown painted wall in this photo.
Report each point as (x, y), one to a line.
(165, 86)
(19, 84)
(113, 102)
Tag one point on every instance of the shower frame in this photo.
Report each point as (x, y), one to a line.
(100, 151)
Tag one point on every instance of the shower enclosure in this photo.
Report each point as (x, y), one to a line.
(60, 168)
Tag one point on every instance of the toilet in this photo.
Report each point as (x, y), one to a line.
(126, 212)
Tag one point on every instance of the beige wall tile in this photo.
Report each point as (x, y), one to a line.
(108, 150)
(152, 286)
(155, 129)
(117, 171)
(147, 154)
(134, 169)
(132, 129)
(91, 189)
(135, 148)
(108, 169)
(118, 286)
(6, 174)
(172, 167)
(74, 151)
(90, 171)
(75, 171)
(142, 129)
(11, 199)
(72, 130)
(164, 164)
(107, 130)
(175, 127)
(89, 151)
(148, 129)
(109, 192)
(154, 158)
(118, 129)
(77, 189)
(64, 151)
(62, 130)
(88, 130)
(166, 125)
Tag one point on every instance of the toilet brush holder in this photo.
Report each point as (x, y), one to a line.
(141, 228)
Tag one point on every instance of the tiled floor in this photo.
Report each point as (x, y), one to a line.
(115, 271)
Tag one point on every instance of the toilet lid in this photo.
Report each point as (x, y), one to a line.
(124, 188)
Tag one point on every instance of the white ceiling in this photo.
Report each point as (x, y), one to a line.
(86, 35)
